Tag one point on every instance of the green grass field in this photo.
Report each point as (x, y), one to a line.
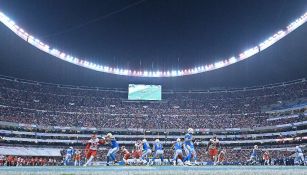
(151, 170)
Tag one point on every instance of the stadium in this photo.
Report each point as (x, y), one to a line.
(153, 87)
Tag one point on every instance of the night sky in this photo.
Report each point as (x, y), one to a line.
(155, 34)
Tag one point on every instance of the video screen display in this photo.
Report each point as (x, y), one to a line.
(144, 92)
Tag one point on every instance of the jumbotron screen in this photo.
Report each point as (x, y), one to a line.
(144, 92)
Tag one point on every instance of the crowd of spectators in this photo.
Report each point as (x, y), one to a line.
(53, 105)
(29, 161)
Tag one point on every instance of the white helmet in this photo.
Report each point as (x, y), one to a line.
(178, 140)
(190, 131)
(71, 147)
(109, 135)
(157, 140)
(144, 140)
(297, 147)
(256, 146)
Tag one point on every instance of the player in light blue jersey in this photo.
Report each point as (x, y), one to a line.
(69, 155)
(299, 156)
(189, 147)
(158, 151)
(114, 148)
(146, 150)
(178, 152)
(254, 158)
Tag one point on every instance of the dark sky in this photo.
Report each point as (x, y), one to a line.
(155, 34)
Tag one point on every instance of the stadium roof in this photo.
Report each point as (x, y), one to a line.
(232, 32)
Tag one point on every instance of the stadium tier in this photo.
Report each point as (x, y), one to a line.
(50, 116)
(57, 105)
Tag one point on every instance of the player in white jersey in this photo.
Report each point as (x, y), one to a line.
(69, 155)
(92, 147)
(19, 161)
(2, 158)
(299, 156)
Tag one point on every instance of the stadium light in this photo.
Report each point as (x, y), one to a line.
(174, 73)
(145, 73)
(232, 60)
(219, 64)
(150, 73)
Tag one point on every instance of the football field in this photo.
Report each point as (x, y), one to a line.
(152, 170)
